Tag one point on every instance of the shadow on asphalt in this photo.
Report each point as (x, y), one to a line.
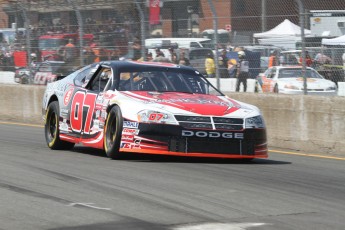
(176, 159)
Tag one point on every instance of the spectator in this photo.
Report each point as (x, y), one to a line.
(242, 71)
(136, 49)
(308, 60)
(273, 59)
(90, 56)
(232, 64)
(223, 64)
(210, 65)
(173, 56)
(149, 57)
(70, 51)
(321, 59)
(183, 60)
(160, 57)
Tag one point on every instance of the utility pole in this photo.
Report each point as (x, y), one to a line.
(263, 15)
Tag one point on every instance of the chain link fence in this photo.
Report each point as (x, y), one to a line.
(37, 31)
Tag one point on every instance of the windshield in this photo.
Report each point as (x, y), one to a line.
(207, 44)
(293, 73)
(165, 82)
(47, 44)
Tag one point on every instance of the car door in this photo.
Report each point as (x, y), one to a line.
(266, 78)
(94, 107)
(80, 103)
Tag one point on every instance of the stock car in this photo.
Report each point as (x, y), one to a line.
(151, 108)
(289, 80)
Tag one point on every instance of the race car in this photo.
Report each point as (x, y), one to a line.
(289, 80)
(151, 108)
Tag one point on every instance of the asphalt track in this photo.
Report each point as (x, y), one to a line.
(82, 189)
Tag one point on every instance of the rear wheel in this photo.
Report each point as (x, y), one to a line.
(51, 128)
(112, 133)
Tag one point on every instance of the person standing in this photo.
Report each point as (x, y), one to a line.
(232, 68)
(173, 56)
(210, 65)
(308, 60)
(69, 51)
(242, 71)
(273, 59)
(223, 64)
(183, 60)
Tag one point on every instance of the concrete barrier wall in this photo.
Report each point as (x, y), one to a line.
(307, 123)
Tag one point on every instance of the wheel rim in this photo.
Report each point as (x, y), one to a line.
(111, 133)
(52, 127)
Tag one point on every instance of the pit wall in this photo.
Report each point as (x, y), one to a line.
(307, 123)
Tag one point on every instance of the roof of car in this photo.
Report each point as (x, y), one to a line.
(142, 65)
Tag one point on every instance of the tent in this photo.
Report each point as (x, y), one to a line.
(286, 28)
(338, 41)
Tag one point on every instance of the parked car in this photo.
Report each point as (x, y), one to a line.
(25, 75)
(197, 58)
(50, 71)
(150, 108)
(289, 80)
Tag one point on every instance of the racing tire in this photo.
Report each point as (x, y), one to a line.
(24, 79)
(276, 90)
(112, 133)
(51, 129)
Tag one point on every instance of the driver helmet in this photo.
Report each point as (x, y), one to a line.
(241, 54)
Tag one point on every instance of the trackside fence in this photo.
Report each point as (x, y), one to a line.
(35, 31)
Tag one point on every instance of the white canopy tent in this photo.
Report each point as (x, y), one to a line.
(338, 41)
(286, 28)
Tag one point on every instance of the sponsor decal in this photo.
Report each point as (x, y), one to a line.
(63, 125)
(63, 112)
(95, 126)
(99, 100)
(126, 137)
(67, 97)
(212, 134)
(130, 124)
(135, 145)
(130, 131)
(98, 113)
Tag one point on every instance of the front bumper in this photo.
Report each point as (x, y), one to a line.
(179, 141)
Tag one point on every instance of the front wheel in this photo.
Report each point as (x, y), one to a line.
(112, 133)
(51, 128)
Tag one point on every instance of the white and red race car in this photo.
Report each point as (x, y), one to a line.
(151, 108)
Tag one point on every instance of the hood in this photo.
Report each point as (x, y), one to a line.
(201, 104)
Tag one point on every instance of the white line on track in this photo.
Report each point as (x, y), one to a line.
(89, 205)
(219, 226)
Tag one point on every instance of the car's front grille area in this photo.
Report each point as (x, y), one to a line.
(228, 127)
(211, 146)
(208, 122)
(192, 118)
(196, 125)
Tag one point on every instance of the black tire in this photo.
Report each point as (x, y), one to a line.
(51, 129)
(112, 133)
(24, 79)
(276, 90)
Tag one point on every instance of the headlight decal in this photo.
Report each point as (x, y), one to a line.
(255, 122)
(151, 116)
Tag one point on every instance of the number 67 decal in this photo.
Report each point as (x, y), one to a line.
(79, 102)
